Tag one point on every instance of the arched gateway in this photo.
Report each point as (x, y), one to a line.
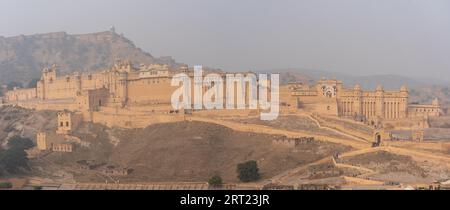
(379, 136)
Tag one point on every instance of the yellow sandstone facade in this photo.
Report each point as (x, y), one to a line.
(67, 122)
(122, 85)
(53, 142)
(129, 96)
(329, 97)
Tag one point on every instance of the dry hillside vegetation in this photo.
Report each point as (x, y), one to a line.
(18, 121)
(189, 151)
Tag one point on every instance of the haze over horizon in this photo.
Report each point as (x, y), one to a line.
(403, 37)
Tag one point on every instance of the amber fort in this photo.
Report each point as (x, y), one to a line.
(129, 96)
(135, 97)
(113, 95)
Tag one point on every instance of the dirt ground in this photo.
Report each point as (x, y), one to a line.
(188, 151)
(195, 151)
(18, 121)
(399, 168)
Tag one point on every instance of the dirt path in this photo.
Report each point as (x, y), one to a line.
(335, 130)
(290, 175)
(285, 176)
(358, 144)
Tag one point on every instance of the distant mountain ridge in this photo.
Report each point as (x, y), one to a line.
(392, 82)
(23, 57)
(422, 90)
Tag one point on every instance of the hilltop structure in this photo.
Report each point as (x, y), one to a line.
(122, 85)
(61, 140)
(130, 96)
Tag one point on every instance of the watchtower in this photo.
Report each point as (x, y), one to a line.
(64, 123)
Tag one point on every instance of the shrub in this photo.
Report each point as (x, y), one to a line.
(215, 181)
(14, 159)
(17, 142)
(37, 187)
(5, 185)
(248, 171)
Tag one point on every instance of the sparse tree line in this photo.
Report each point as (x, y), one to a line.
(247, 172)
(13, 160)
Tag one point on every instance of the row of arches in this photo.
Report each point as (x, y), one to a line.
(368, 108)
(347, 108)
(392, 110)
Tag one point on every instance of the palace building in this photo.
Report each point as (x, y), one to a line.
(331, 98)
(121, 85)
(126, 95)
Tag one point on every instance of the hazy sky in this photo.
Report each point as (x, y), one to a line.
(349, 36)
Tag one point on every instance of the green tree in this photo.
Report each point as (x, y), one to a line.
(215, 181)
(14, 159)
(19, 143)
(5, 185)
(37, 187)
(248, 171)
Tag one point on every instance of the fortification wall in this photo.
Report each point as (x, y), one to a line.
(127, 119)
(150, 90)
(56, 105)
(21, 94)
(94, 80)
(227, 113)
(159, 186)
(57, 88)
(68, 86)
(274, 131)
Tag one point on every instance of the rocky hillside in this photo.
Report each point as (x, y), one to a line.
(23, 57)
(18, 121)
